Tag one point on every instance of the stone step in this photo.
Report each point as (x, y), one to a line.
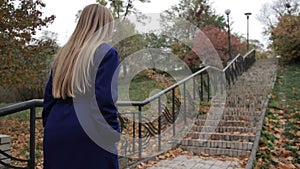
(251, 94)
(238, 112)
(218, 144)
(248, 137)
(222, 129)
(230, 118)
(216, 151)
(200, 122)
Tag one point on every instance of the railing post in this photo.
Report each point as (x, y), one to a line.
(232, 73)
(208, 88)
(140, 132)
(159, 123)
(173, 111)
(133, 134)
(194, 88)
(32, 139)
(184, 103)
(202, 85)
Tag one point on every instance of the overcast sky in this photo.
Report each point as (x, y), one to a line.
(65, 11)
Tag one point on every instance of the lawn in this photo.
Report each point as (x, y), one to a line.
(280, 141)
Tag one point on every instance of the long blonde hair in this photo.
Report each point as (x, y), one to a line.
(72, 62)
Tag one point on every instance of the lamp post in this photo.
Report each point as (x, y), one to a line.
(227, 12)
(248, 14)
(288, 6)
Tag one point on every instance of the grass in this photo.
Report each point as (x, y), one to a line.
(142, 86)
(280, 139)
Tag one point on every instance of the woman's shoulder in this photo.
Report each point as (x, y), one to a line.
(105, 48)
(105, 52)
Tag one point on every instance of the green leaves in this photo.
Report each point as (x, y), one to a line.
(120, 8)
(198, 12)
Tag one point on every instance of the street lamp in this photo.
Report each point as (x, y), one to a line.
(227, 12)
(288, 6)
(248, 14)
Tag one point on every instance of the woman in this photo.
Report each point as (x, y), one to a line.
(67, 145)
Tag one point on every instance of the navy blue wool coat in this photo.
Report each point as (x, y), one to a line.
(66, 144)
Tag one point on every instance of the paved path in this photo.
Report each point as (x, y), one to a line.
(257, 80)
(195, 162)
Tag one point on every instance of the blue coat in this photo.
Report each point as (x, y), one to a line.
(66, 144)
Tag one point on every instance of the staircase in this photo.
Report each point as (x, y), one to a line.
(234, 133)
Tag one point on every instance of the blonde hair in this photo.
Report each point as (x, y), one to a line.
(72, 62)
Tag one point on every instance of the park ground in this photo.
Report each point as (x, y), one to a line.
(279, 143)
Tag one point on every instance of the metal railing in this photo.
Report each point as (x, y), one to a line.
(8, 110)
(143, 130)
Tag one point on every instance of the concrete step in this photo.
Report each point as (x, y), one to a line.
(247, 137)
(200, 122)
(239, 112)
(232, 133)
(218, 144)
(222, 129)
(216, 151)
(230, 118)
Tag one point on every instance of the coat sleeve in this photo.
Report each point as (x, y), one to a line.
(106, 87)
(48, 100)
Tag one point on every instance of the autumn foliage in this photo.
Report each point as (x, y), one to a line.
(210, 45)
(219, 39)
(24, 59)
(285, 37)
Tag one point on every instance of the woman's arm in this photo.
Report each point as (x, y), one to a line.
(48, 100)
(106, 86)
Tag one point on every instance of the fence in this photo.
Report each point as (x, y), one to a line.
(175, 107)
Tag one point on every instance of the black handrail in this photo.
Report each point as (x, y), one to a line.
(11, 109)
(235, 67)
(151, 98)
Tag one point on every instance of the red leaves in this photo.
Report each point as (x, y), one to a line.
(219, 40)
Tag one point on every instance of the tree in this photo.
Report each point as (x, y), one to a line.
(256, 44)
(122, 9)
(200, 15)
(127, 41)
(22, 56)
(197, 12)
(270, 13)
(219, 39)
(285, 37)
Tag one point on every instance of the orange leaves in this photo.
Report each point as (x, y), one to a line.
(23, 59)
(17, 127)
(286, 166)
